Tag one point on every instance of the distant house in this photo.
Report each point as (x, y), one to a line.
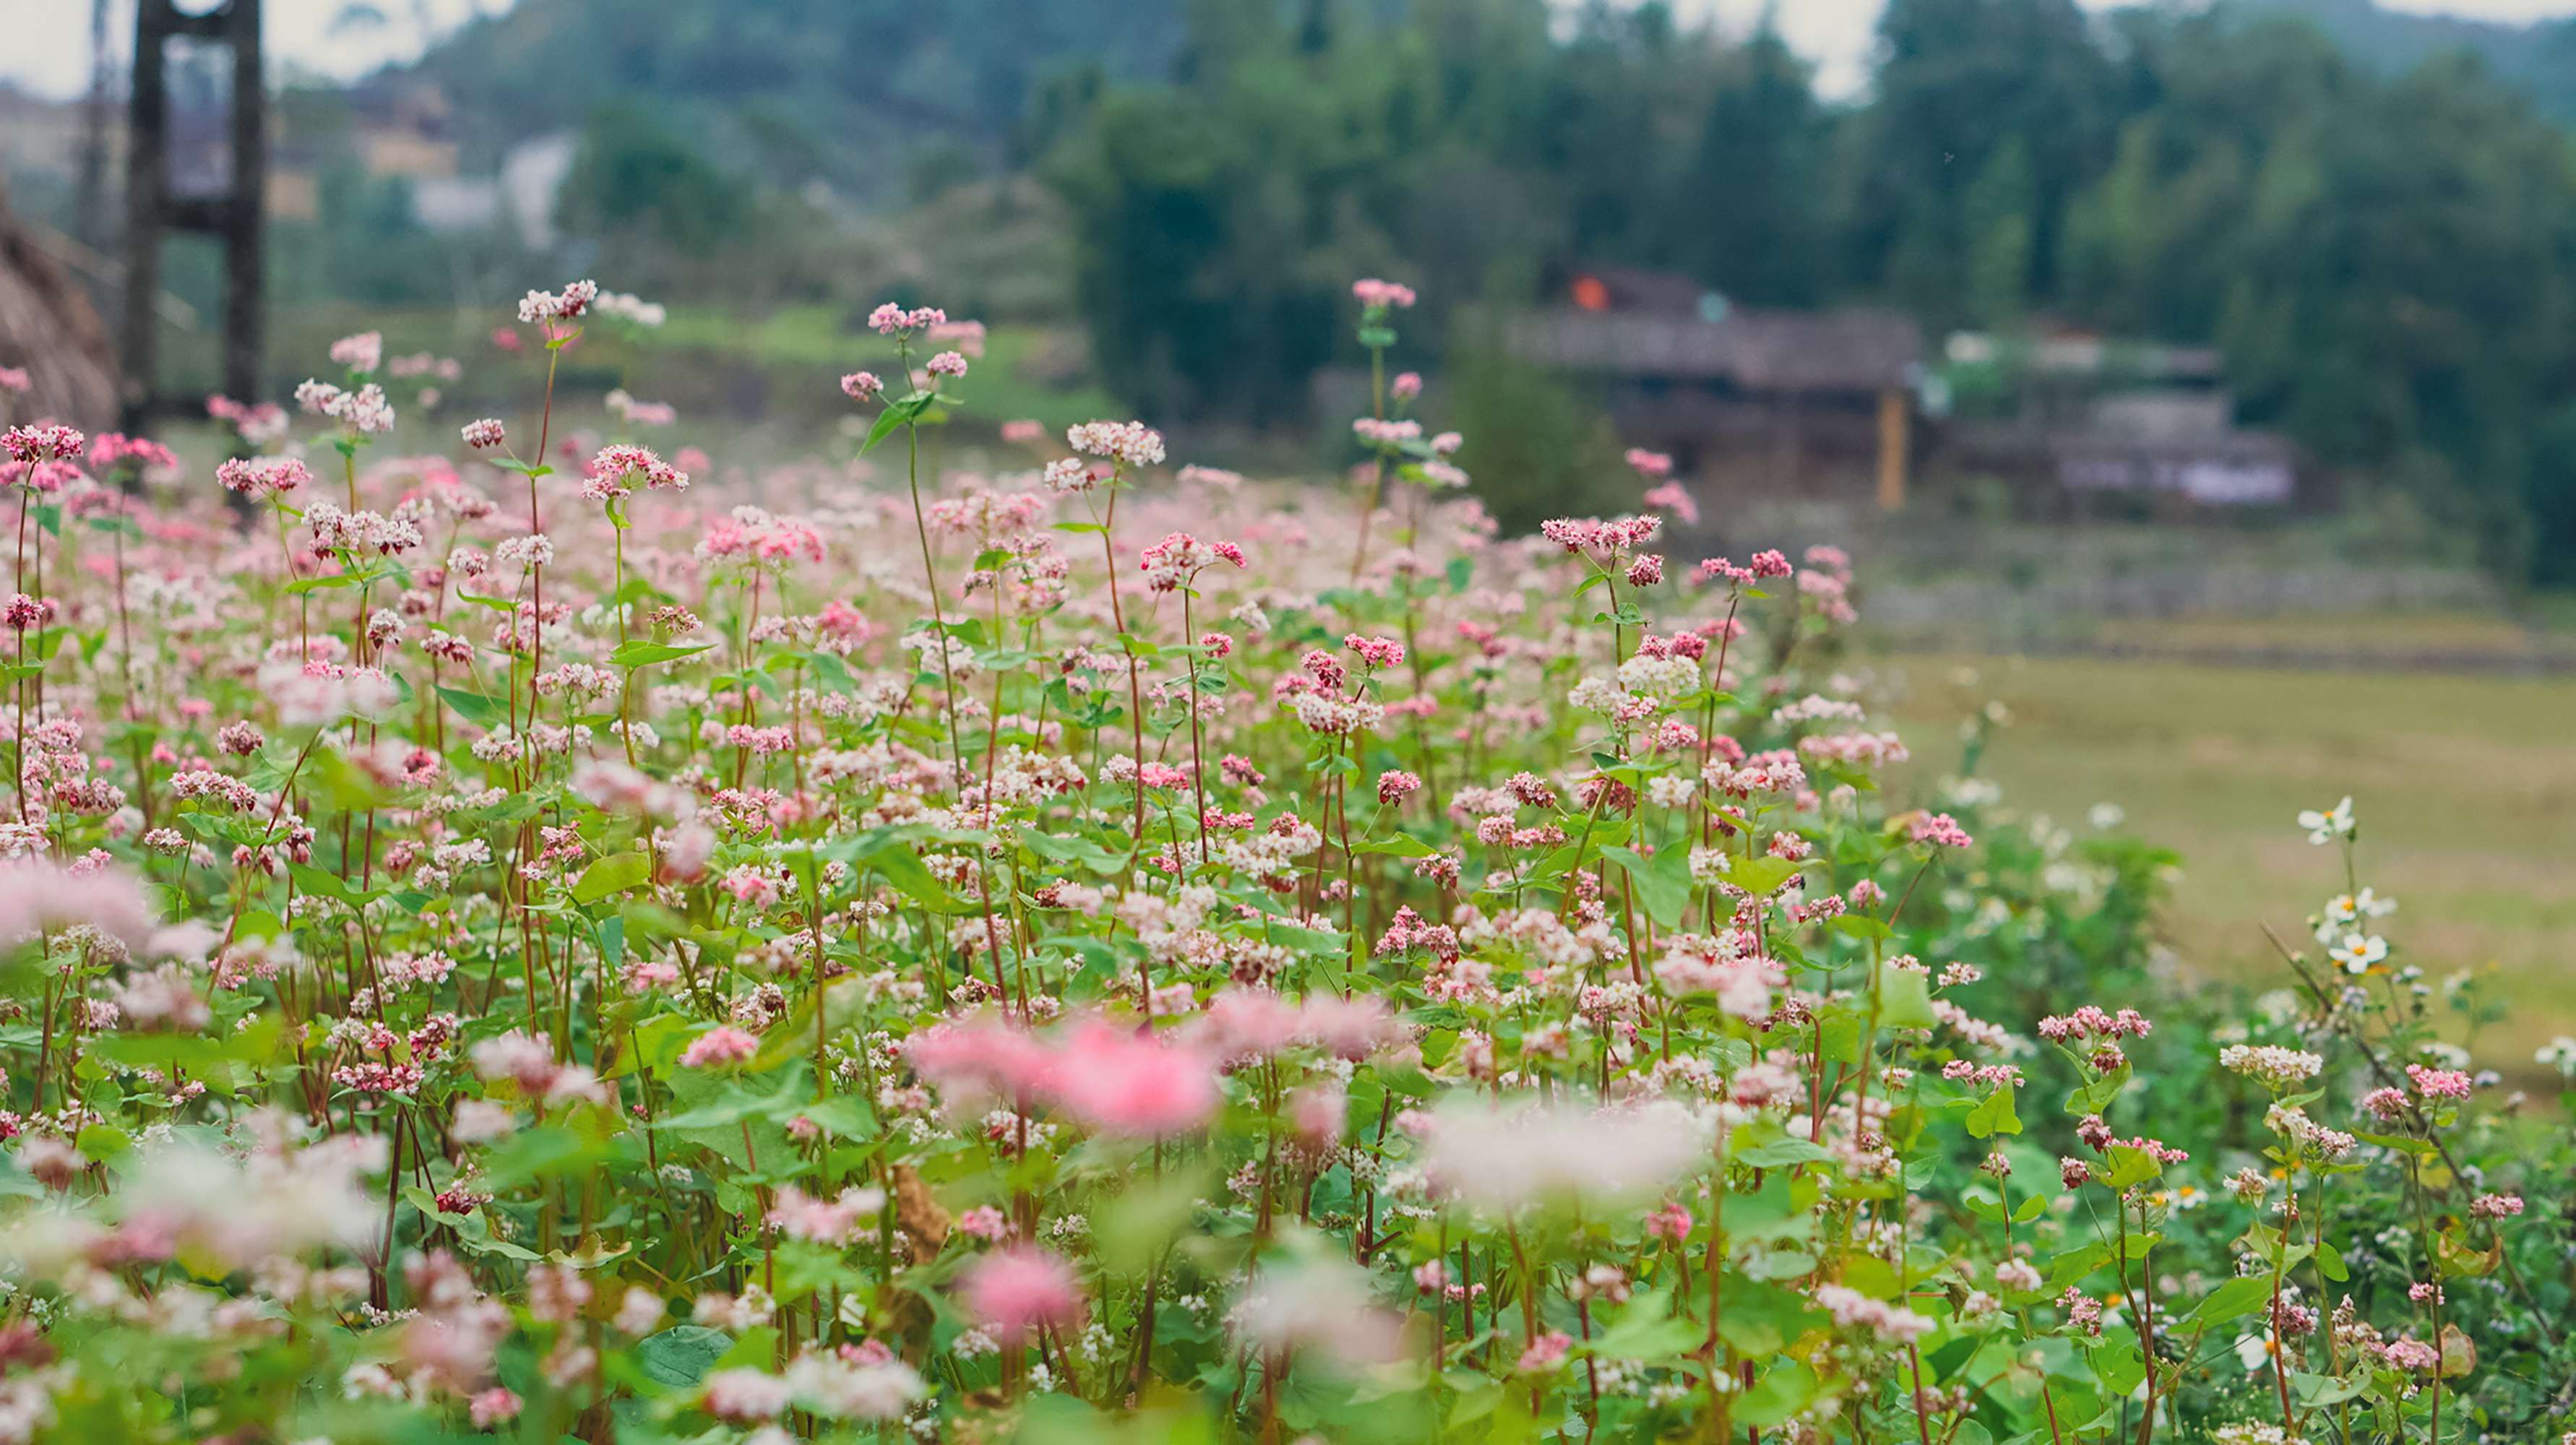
(2077, 422)
(1745, 400)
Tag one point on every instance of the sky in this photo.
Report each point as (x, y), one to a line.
(48, 50)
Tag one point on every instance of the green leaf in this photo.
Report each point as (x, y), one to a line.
(100, 1143)
(484, 712)
(1648, 1330)
(682, 1355)
(1760, 875)
(2234, 1299)
(636, 652)
(2131, 1167)
(1779, 1151)
(612, 873)
(1787, 1388)
(1905, 1000)
(897, 414)
(904, 869)
(1663, 883)
(1994, 1116)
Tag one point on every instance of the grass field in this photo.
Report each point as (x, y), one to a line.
(2466, 788)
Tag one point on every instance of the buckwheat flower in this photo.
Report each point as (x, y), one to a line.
(611, 468)
(2018, 1276)
(492, 1407)
(946, 363)
(836, 1221)
(362, 353)
(2327, 826)
(1376, 295)
(2410, 1355)
(1122, 1082)
(1544, 1353)
(1322, 1309)
(525, 553)
(856, 1382)
(568, 305)
(862, 386)
(1376, 652)
(1396, 785)
(1941, 831)
(1852, 1309)
(744, 1395)
(262, 477)
(639, 1311)
(718, 1047)
(1130, 443)
(39, 898)
(485, 434)
(632, 308)
(1022, 1288)
(1649, 464)
(49, 442)
(2496, 1206)
(1504, 1157)
(1175, 561)
(2439, 1083)
(2271, 1065)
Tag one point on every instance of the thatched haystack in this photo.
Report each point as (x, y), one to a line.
(48, 327)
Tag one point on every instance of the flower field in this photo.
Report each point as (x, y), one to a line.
(501, 935)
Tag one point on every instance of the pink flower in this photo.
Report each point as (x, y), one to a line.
(1396, 785)
(719, 1046)
(45, 442)
(1375, 295)
(799, 1215)
(947, 363)
(745, 1395)
(1023, 1288)
(1670, 1222)
(485, 435)
(363, 352)
(2438, 1083)
(981, 1056)
(492, 1407)
(1544, 1353)
(1671, 498)
(861, 385)
(259, 477)
(1177, 560)
(1121, 1082)
(1375, 651)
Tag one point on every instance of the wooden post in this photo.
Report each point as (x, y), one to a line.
(1895, 419)
(235, 218)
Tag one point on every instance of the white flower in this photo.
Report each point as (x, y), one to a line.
(2560, 1055)
(2357, 953)
(2327, 826)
